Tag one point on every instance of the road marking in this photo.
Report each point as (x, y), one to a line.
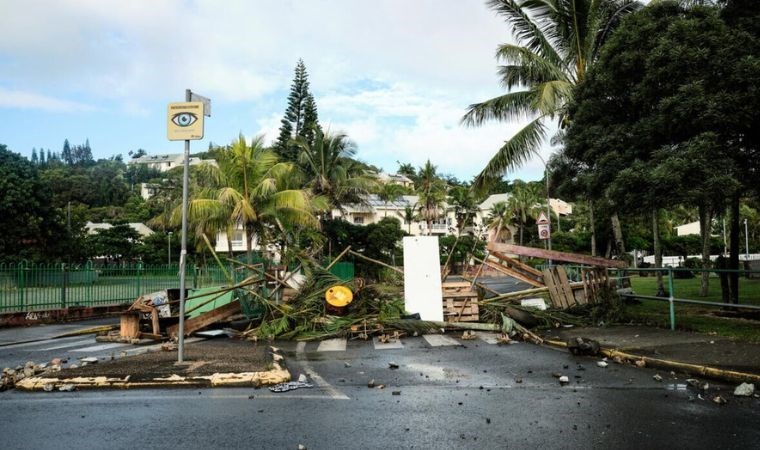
(97, 348)
(70, 344)
(332, 345)
(40, 342)
(438, 340)
(318, 380)
(386, 345)
(489, 338)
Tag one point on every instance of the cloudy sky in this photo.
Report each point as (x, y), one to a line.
(395, 75)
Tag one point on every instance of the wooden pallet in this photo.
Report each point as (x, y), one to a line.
(460, 302)
(560, 291)
(593, 281)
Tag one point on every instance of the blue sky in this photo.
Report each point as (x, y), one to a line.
(394, 75)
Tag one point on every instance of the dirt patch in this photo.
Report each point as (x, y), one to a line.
(200, 359)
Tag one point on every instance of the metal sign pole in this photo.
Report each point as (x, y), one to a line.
(183, 254)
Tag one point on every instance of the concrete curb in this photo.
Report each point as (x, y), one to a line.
(278, 374)
(730, 376)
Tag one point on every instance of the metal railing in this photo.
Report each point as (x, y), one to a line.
(28, 287)
(671, 298)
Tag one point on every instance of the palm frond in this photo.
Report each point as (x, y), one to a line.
(512, 106)
(526, 31)
(515, 152)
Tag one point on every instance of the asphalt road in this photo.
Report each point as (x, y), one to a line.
(449, 396)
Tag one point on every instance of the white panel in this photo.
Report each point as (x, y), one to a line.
(438, 340)
(422, 277)
(387, 345)
(332, 345)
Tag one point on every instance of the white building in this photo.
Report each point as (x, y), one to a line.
(141, 228)
(688, 228)
(168, 162)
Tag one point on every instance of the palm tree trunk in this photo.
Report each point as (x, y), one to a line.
(593, 227)
(705, 219)
(733, 257)
(657, 248)
(249, 244)
(617, 232)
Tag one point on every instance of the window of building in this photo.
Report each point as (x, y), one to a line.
(359, 220)
(237, 239)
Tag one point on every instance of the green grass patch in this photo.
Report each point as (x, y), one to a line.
(699, 318)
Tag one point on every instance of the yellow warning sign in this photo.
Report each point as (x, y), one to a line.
(185, 121)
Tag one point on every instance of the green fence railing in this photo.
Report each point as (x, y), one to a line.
(34, 287)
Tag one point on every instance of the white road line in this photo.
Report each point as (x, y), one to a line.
(70, 344)
(386, 345)
(332, 345)
(44, 342)
(318, 380)
(97, 348)
(489, 338)
(438, 340)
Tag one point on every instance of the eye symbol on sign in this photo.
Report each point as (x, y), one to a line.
(184, 119)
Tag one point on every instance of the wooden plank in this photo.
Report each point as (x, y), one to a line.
(517, 264)
(129, 325)
(455, 285)
(555, 255)
(154, 321)
(513, 274)
(206, 319)
(564, 285)
(554, 295)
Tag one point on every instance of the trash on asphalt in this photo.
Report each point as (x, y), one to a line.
(657, 377)
(393, 365)
(720, 400)
(602, 364)
(67, 388)
(744, 390)
(289, 386)
(563, 380)
(583, 346)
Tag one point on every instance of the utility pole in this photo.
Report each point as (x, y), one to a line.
(746, 242)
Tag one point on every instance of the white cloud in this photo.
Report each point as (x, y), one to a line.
(31, 100)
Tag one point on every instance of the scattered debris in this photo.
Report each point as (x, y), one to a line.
(89, 360)
(563, 380)
(48, 387)
(392, 365)
(583, 346)
(693, 382)
(744, 390)
(346, 364)
(289, 386)
(640, 363)
(301, 447)
(302, 378)
(396, 393)
(602, 364)
(67, 388)
(371, 384)
(719, 400)
(657, 377)
(469, 335)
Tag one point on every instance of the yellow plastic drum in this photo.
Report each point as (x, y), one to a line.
(339, 296)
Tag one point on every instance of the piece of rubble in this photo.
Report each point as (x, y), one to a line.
(583, 346)
(468, 335)
(48, 387)
(657, 377)
(371, 383)
(89, 360)
(393, 365)
(301, 447)
(67, 388)
(744, 390)
(289, 386)
(719, 400)
(563, 380)
(302, 378)
(346, 364)
(396, 393)
(640, 363)
(618, 360)
(693, 382)
(602, 364)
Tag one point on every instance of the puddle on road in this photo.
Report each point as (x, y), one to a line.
(436, 372)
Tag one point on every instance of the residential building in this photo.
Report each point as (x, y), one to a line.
(395, 178)
(141, 228)
(168, 162)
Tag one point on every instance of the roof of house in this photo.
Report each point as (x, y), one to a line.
(492, 200)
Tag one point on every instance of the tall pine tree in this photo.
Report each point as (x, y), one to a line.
(35, 160)
(300, 117)
(66, 154)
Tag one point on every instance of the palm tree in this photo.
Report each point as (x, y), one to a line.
(331, 172)
(501, 215)
(388, 193)
(463, 202)
(409, 216)
(249, 188)
(524, 202)
(432, 193)
(557, 42)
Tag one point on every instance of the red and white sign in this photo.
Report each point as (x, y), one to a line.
(544, 227)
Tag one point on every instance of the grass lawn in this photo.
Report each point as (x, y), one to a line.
(696, 317)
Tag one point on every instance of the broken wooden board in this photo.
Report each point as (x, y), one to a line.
(593, 282)
(555, 255)
(509, 272)
(560, 291)
(206, 319)
(527, 273)
(129, 325)
(460, 302)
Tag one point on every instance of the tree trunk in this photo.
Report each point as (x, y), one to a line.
(249, 244)
(705, 219)
(733, 257)
(617, 232)
(657, 249)
(593, 227)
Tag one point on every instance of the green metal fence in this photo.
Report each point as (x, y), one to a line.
(35, 287)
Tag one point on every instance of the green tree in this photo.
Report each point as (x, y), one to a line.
(498, 221)
(66, 154)
(557, 42)
(431, 190)
(300, 119)
(120, 242)
(249, 188)
(388, 193)
(464, 204)
(331, 173)
(524, 202)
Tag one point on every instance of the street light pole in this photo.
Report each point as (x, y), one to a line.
(169, 247)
